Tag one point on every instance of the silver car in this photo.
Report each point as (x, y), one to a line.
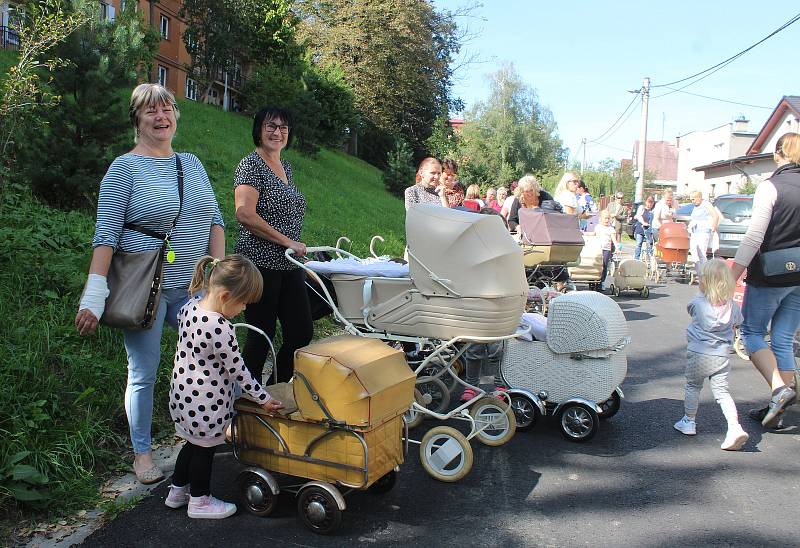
(736, 210)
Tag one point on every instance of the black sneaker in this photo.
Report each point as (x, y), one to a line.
(759, 414)
(781, 399)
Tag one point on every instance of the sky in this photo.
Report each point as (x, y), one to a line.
(583, 56)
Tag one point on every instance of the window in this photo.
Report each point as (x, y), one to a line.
(164, 27)
(191, 89)
(162, 75)
(106, 12)
(191, 42)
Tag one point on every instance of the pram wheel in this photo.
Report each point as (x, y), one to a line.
(645, 292)
(318, 510)
(614, 290)
(445, 454)
(447, 377)
(494, 420)
(256, 494)
(435, 395)
(413, 417)
(384, 484)
(525, 412)
(610, 407)
(578, 422)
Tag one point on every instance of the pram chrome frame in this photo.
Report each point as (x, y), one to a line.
(442, 356)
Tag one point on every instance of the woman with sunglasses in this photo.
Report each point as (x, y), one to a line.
(270, 210)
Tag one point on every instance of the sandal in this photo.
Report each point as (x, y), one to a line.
(150, 476)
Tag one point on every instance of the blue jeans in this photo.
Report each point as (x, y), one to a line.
(781, 306)
(640, 238)
(144, 354)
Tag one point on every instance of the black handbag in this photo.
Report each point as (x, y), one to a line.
(134, 279)
(780, 262)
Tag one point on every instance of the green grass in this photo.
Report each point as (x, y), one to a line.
(7, 59)
(61, 395)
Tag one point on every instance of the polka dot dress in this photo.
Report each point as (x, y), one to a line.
(207, 365)
(281, 205)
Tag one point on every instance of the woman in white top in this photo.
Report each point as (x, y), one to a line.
(702, 225)
(566, 192)
(664, 212)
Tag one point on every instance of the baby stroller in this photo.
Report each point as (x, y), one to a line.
(672, 249)
(630, 275)
(589, 268)
(343, 430)
(576, 372)
(462, 285)
(549, 241)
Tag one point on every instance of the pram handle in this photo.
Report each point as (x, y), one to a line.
(289, 252)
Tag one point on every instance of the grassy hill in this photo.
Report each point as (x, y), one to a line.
(62, 422)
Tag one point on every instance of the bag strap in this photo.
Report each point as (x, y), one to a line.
(153, 233)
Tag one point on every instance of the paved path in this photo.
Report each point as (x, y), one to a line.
(638, 483)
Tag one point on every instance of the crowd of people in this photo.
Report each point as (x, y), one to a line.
(152, 196)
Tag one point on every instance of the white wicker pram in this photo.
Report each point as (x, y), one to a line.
(464, 286)
(630, 275)
(576, 373)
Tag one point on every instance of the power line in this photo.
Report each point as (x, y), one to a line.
(733, 57)
(713, 98)
(610, 135)
(635, 96)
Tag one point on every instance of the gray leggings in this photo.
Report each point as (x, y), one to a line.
(716, 369)
(481, 360)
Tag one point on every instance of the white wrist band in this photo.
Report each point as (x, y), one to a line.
(94, 295)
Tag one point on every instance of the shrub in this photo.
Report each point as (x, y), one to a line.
(399, 172)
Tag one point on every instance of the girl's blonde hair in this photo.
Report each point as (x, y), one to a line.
(788, 146)
(716, 282)
(234, 273)
(473, 192)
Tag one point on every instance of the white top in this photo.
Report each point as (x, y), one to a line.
(662, 213)
(567, 199)
(360, 267)
(606, 235)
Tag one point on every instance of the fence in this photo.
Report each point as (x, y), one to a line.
(9, 38)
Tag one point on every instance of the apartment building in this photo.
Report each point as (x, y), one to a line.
(172, 59)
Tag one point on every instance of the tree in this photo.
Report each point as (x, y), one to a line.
(509, 134)
(91, 125)
(399, 170)
(218, 32)
(396, 54)
(23, 91)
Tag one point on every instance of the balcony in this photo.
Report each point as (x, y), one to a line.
(9, 38)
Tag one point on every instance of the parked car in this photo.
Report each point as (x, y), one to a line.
(736, 210)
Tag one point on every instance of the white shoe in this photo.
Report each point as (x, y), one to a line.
(734, 439)
(177, 497)
(207, 507)
(686, 426)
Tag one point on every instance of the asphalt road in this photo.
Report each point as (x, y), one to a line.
(637, 483)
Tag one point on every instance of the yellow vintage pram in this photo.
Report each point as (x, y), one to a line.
(589, 267)
(462, 285)
(345, 429)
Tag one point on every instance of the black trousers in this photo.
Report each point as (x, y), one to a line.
(193, 466)
(284, 299)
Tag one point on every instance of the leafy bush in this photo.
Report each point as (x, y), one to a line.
(399, 172)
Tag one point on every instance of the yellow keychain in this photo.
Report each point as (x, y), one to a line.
(170, 253)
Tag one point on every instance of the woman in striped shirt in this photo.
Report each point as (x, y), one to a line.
(141, 187)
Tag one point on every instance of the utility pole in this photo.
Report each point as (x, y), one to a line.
(583, 162)
(638, 197)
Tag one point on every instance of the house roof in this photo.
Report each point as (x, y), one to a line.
(740, 160)
(787, 102)
(661, 158)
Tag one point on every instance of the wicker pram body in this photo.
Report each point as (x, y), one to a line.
(630, 274)
(590, 262)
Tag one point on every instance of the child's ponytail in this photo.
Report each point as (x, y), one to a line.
(199, 277)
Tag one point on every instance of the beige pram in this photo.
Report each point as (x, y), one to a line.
(630, 275)
(576, 373)
(589, 268)
(343, 427)
(462, 285)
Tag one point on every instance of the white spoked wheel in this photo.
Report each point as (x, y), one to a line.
(437, 391)
(738, 346)
(615, 290)
(525, 412)
(445, 454)
(413, 417)
(579, 422)
(645, 292)
(494, 420)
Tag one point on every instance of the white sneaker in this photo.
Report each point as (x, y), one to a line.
(177, 497)
(686, 426)
(734, 439)
(207, 507)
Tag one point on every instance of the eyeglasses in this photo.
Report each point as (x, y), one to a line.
(576, 181)
(272, 128)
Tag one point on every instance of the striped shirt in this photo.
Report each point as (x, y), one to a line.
(143, 190)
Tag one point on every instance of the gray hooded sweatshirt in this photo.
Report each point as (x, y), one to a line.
(711, 330)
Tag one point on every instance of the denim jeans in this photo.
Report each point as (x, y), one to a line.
(640, 238)
(144, 354)
(781, 306)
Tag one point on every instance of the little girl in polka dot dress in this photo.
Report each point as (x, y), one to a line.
(207, 367)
